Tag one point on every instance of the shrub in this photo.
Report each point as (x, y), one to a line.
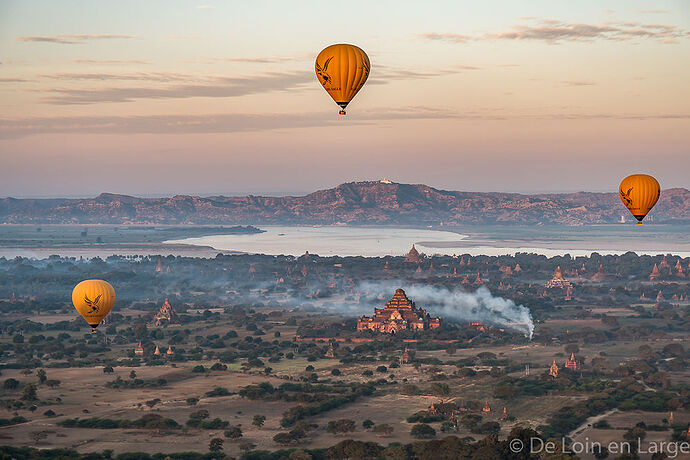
(423, 431)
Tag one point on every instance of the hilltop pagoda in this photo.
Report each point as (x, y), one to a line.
(166, 314)
(399, 314)
(413, 256)
(558, 281)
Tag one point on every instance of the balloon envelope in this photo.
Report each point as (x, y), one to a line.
(639, 193)
(93, 299)
(342, 70)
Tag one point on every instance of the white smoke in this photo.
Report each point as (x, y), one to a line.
(460, 305)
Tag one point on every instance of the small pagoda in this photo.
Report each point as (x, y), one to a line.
(572, 363)
(553, 370)
(656, 274)
(139, 350)
(330, 353)
(486, 407)
(405, 357)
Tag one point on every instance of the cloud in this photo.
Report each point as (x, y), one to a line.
(110, 61)
(204, 7)
(217, 87)
(654, 11)
(74, 39)
(256, 60)
(578, 83)
(13, 80)
(453, 38)
(138, 76)
(556, 31)
(242, 122)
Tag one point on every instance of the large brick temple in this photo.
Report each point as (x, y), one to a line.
(399, 314)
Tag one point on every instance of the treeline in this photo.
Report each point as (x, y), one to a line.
(149, 421)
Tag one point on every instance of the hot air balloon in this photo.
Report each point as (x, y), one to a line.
(93, 299)
(639, 194)
(342, 70)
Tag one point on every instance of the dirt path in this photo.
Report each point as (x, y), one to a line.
(590, 421)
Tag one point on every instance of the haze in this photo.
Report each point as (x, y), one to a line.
(204, 97)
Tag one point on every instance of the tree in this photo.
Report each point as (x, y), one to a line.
(341, 426)
(440, 389)
(367, 424)
(108, 369)
(259, 420)
(233, 432)
(52, 383)
(383, 429)
(141, 331)
(216, 445)
(132, 374)
(423, 431)
(29, 392)
(41, 374)
(10, 384)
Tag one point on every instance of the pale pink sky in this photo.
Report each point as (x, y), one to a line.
(182, 96)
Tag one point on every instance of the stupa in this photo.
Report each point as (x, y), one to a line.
(558, 281)
(413, 257)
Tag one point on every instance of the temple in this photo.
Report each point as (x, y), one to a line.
(165, 314)
(553, 370)
(558, 281)
(413, 256)
(572, 363)
(399, 314)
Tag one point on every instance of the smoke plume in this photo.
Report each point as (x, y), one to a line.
(460, 305)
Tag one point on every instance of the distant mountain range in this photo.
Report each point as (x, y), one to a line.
(354, 203)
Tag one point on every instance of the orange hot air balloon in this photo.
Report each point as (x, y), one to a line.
(639, 194)
(342, 70)
(93, 299)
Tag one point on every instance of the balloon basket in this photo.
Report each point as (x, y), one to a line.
(342, 112)
(639, 223)
(93, 330)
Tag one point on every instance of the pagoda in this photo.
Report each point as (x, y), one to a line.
(505, 414)
(659, 297)
(413, 257)
(517, 268)
(486, 407)
(399, 314)
(386, 267)
(679, 270)
(169, 352)
(600, 275)
(157, 352)
(139, 350)
(405, 357)
(159, 266)
(558, 281)
(252, 269)
(478, 280)
(572, 363)
(553, 370)
(330, 353)
(655, 273)
(165, 314)
(664, 263)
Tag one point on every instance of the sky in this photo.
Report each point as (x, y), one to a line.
(205, 97)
